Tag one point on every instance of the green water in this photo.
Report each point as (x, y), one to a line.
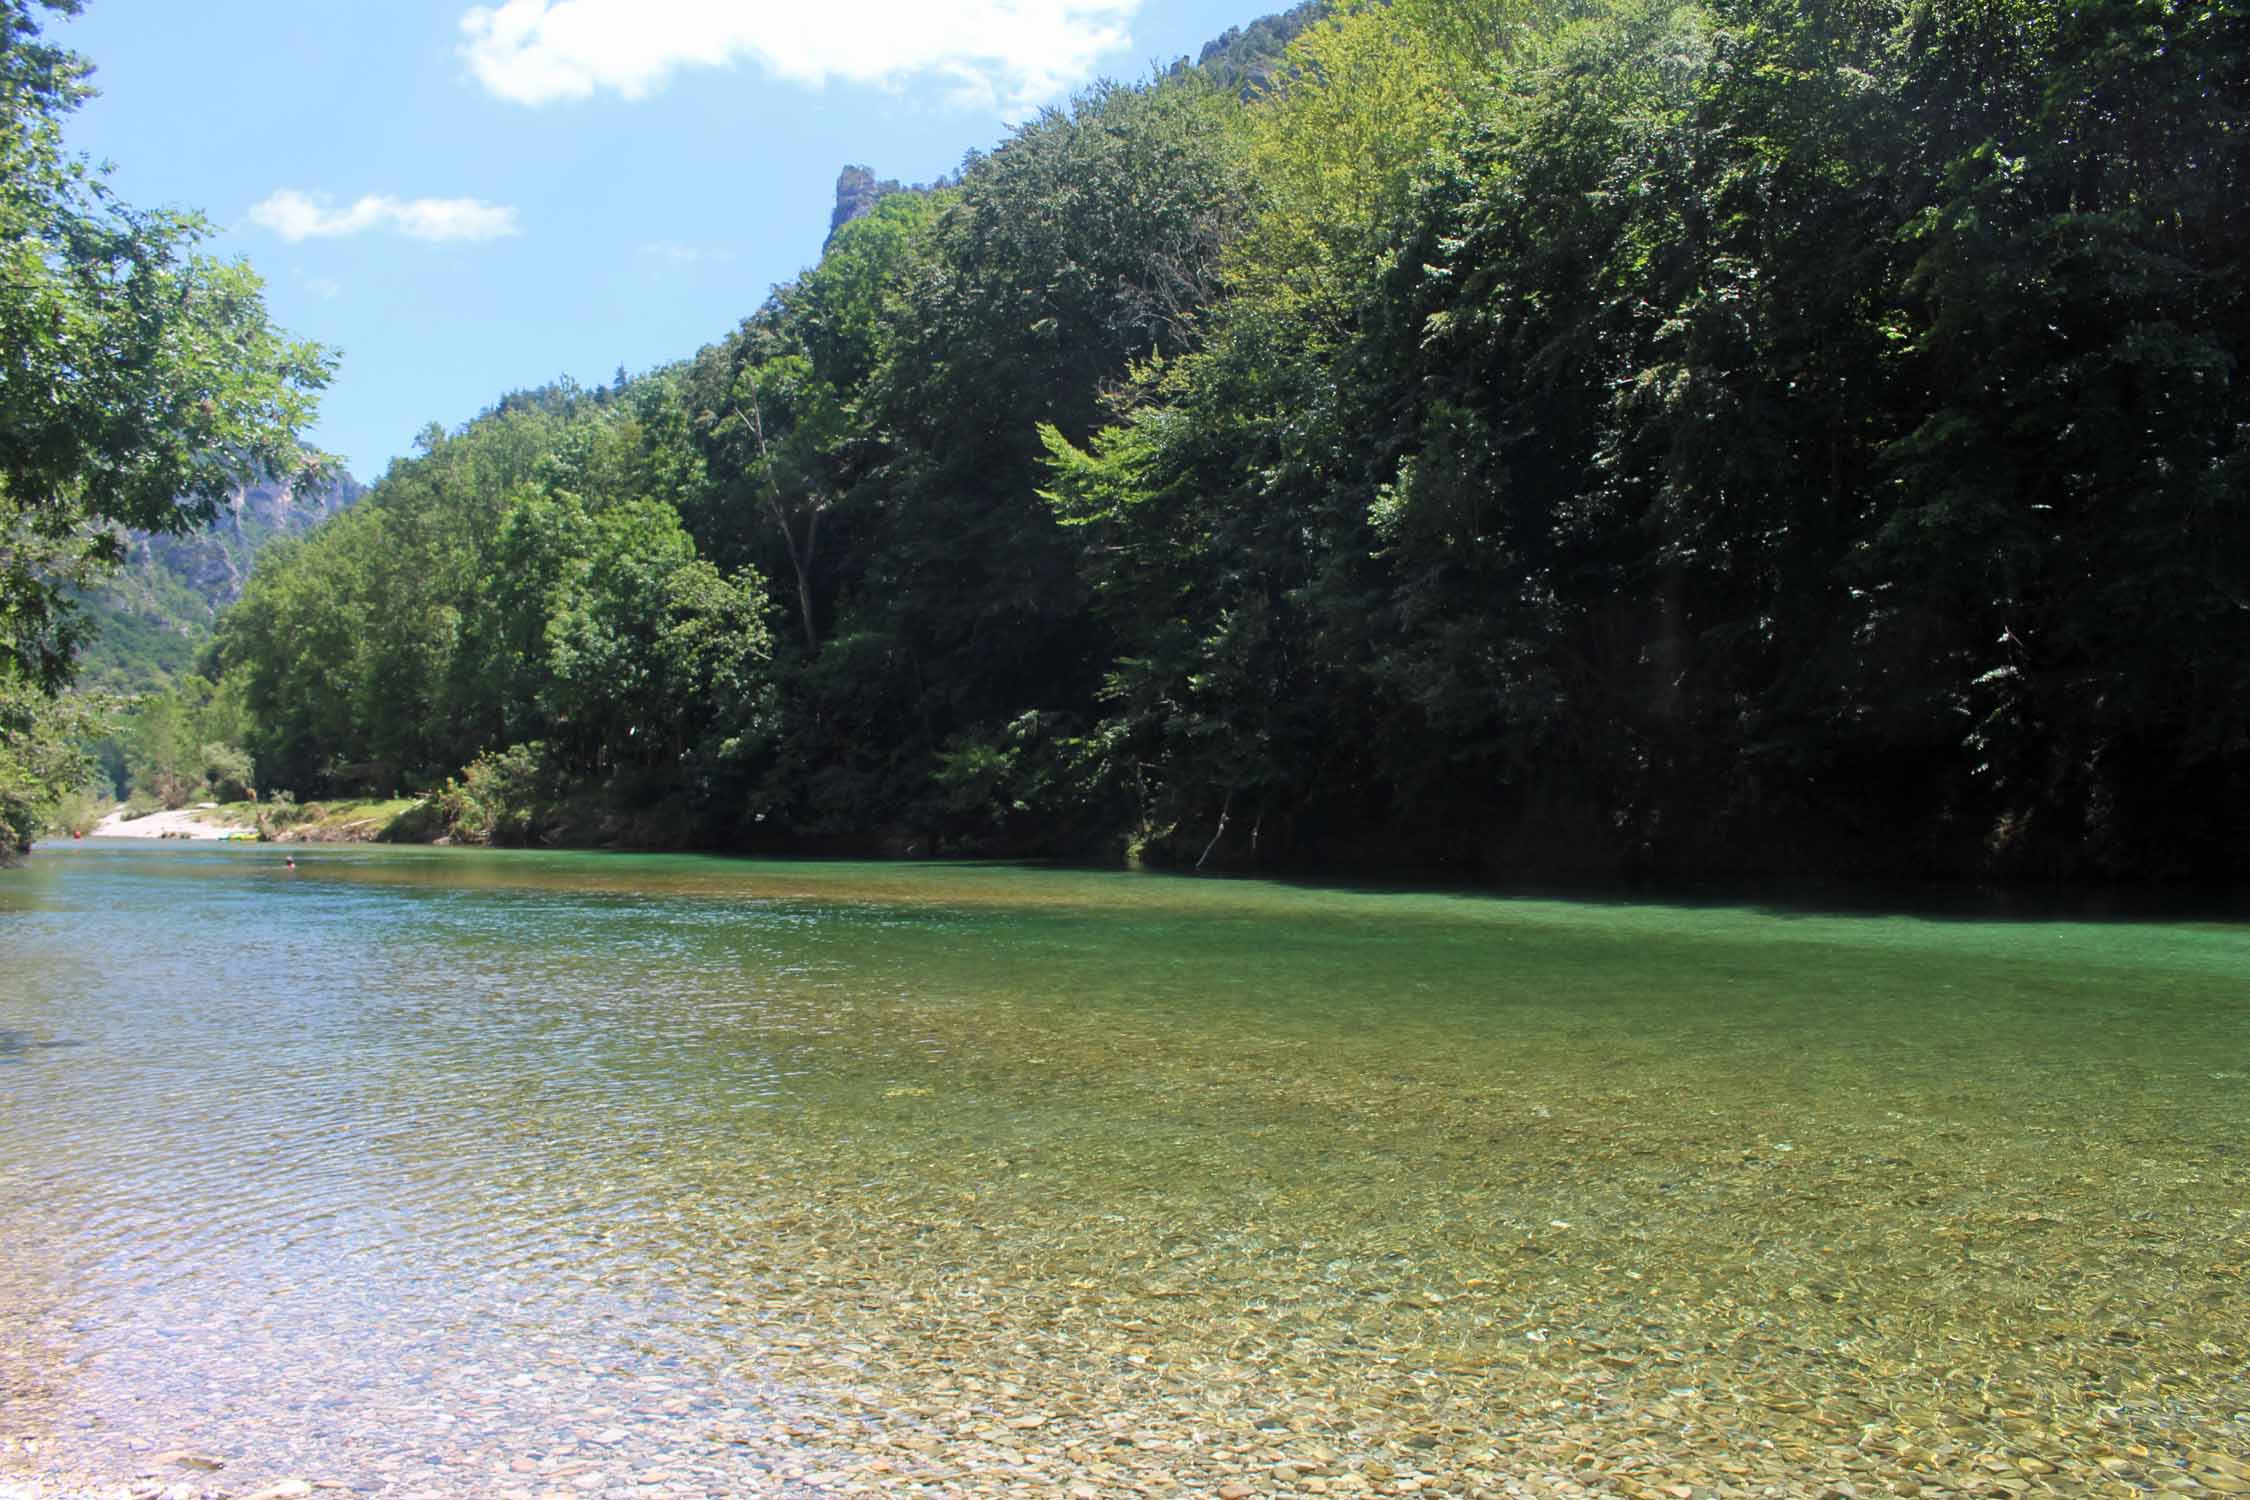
(451, 1173)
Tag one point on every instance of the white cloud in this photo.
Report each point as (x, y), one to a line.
(995, 52)
(300, 216)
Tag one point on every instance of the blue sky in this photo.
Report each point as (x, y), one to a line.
(466, 198)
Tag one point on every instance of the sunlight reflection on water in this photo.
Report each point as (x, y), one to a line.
(445, 1172)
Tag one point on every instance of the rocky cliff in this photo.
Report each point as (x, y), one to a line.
(156, 614)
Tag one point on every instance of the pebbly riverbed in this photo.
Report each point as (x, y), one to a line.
(430, 1173)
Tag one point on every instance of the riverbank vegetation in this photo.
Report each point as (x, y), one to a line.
(1502, 435)
(140, 381)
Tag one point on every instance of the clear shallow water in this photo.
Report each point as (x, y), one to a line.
(445, 1172)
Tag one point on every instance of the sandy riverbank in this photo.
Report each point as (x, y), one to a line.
(187, 823)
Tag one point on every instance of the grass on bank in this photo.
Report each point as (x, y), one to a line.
(341, 820)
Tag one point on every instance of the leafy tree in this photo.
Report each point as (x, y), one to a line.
(139, 380)
(1224, 525)
(41, 759)
(651, 652)
(473, 603)
(1089, 239)
(2072, 495)
(1512, 433)
(776, 415)
(1202, 519)
(1334, 148)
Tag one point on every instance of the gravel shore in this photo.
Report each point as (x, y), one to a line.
(187, 823)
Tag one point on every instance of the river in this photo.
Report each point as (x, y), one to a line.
(438, 1173)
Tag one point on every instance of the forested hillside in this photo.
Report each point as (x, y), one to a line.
(1510, 438)
(153, 616)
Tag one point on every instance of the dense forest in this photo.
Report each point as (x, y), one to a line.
(1493, 436)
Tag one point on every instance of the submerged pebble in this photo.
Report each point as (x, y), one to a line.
(570, 1196)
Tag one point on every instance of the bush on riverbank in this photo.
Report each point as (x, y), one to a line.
(346, 821)
(505, 796)
(78, 812)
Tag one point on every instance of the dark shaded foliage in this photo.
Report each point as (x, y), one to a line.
(1727, 438)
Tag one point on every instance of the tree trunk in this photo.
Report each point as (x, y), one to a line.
(1224, 808)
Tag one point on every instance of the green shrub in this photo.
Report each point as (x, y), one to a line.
(79, 811)
(170, 789)
(281, 811)
(502, 797)
(227, 773)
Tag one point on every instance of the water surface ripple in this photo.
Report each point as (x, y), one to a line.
(445, 1173)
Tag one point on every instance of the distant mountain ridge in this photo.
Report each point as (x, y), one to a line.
(157, 612)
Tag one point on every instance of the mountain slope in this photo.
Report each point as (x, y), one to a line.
(154, 616)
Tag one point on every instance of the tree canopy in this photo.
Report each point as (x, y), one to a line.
(139, 381)
(1507, 435)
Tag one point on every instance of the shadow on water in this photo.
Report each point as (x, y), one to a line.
(917, 882)
(1803, 897)
(1782, 897)
(629, 873)
(1934, 901)
(17, 1046)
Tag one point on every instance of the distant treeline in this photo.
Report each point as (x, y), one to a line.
(1510, 437)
